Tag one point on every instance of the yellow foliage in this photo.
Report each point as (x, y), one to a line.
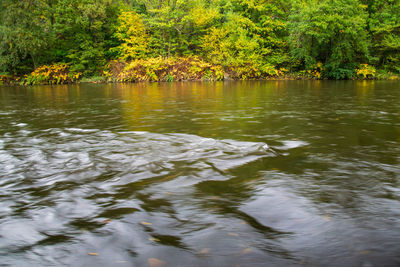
(216, 45)
(52, 74)
(8, 79)
(366, 71)
(315, 72)
(252, 71)
(132, 34)
(164, 69)
(202, 17)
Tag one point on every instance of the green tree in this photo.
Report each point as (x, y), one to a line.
(269, 18)
(168, 24)
(37, 32)
(384, 24)
(84, 32)
(233, 43)
(254, 36)
(25, 35)
(176, 26)
(251, 36)
(332, 32)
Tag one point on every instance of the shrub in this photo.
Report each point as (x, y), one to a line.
(365, 71)
(8, 79)
(252, 71)
(163, 69)
(52, 74)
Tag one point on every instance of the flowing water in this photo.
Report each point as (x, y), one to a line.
(272, 173)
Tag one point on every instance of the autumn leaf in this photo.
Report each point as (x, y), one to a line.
(246, 251)
(93, 254)
(106, 221)
(204, 251)
(153, 262)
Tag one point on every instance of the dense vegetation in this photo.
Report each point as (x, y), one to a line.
(158, 40)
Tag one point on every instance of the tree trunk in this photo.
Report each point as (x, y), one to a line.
(34, 61)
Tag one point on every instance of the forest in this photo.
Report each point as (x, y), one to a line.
(62, 41)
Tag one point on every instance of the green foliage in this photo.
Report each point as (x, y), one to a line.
(46, 31)
(329, 31)
(386, 75)
(232, 44)
(384, 24)
(169, 78)
(243, 39)
(24, 35)
(252, 34)
(84, 29)
(175, 26)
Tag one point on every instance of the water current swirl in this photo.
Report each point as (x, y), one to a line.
(272, 173)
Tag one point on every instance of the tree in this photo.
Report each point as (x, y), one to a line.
(233, 43)
(25, 35)
(84, 31)
(258, 36)
(37, 32)
(132, 35)
(332, 32)
(384, 25)
(251, 37)
(269, 18)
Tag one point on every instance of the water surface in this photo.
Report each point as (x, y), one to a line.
(272, 173)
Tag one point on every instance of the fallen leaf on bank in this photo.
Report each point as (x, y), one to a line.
(106, 221)
(153, 262)
(93, 254)
(146, 223)
(154, 239)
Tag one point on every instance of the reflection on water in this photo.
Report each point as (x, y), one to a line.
(201, 174)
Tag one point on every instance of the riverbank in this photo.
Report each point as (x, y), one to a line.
(181, 69)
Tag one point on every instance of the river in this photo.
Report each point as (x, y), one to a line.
(257, 173)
